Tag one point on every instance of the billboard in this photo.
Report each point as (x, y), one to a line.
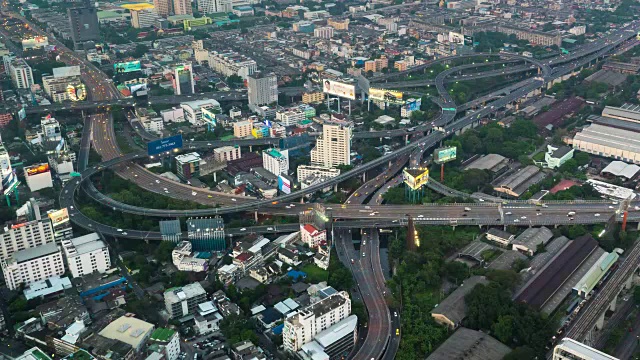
(136, 87)
(36, 169)
(10, 182)
(413, 105)
(167, 144)
(444, 154)
(35, 42)
(339, 89)
(456, 38)
(284, 184)
(22, 114)
(59, 217)
(389, 96)
(209, 117)
(415, 178)
(126, 67)
(468, 40)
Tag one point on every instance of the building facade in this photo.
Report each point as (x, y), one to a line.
(262, 89)
(163, 8)
(333, 147)
(144, 18)
(276, 161)
(311, 236)
(226, 153)
(242, 129)
(83, 21)
(184, 300)
(86, 254)
(21, 74)
(24, 236)
(31, 265)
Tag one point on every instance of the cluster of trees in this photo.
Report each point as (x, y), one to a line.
(521, 138)
(416, 285)
(236, 328)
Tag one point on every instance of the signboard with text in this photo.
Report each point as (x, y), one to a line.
(163, 145)
(284, 185)
(444, 154)
(339, 89)
(59, 217)
(125, 67)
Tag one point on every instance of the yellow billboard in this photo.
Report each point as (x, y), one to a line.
(389, 96)
(59, 217)
(415, 178)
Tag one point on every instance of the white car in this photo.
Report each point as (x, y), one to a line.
(516, 221)
(234, 200)
(420, 216)
(194, 193)
(119, 230)
(270, 228)
(523, 217)
(596, 215)
(243, 229)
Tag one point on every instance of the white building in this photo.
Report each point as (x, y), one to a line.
(556, 156)
(262, 89)
(38, 176)
(144, 18)
(332, 343)
(301, 328)
(21, 74)
(182, 259)
(207, 318)
(226, 153)
(86, 254)
(311, 236)
(167, 342)
(333, 147)
(129, 330)
(276, 161)
(50, 129)
(24, 236)
(231, 63)
(290, 117)
(215, 6)
(193, 110)
(325, 32)
(569, 349)
(183, 301)
(175, 114)
(31, 265)
(578, 30)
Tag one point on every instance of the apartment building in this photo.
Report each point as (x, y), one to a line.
(276, 161)
(242, 129)
(231, 63)
(313, 97)
(182, 7)
(534, 37)
(338, 24)
(21, 74)
(31, 265)
(333, 147)
(182, 301)
(24, 236)
(305, 171)
(167, 343)
(302, 327)
(163, 8)
(144, 18)
(325, 32)
(311, 236)
(262, 89)
(193, 110)
(290, 117)
(86, 254)
(226, 153)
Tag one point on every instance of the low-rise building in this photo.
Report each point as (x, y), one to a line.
(182, 301)
(188, 165)
(452, 310)
(129, 330)
(529, 241)
(165, 342)
(242, 129)
(569, 349)
(557, 155)
(207, 318)
(226, 153)
(312, 236)
(501, 237)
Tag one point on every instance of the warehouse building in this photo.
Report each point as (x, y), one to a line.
(517, 183)
(470, 345)
(452, 310)
(589, 281)
(530, 239)
(492, 162)
(546, 282)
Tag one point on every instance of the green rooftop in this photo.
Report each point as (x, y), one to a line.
(162, 334)
(274, 153)
(38, 354)
(80, 355)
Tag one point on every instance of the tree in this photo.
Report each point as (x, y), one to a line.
(581, 158)
(636, 294)
(163, 251)
(503, 328)
(521, 353)
(140, 50)
(570, 166)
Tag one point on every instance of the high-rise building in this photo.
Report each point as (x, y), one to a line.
(182, 7)
(182, 301)
(6, 170)
(163, 8)
(334, 343)
(83, 21)
(325, 32)
(144, 18)
(301, 328)
(183, 79)
(333, 147)
(569, 349)
(166, 342)
(59, 222)
(276, 161)
(215, 6)
(24, 236)
(31, 265)
(21, 74)
(86, 254)
(262, 89)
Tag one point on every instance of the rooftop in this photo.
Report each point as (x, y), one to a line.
(188, 158)
(128, 330)
(46, 287)
(162, 334)
(83, 244)
(33, 354)
(170, 227)
(470, 344)
(337, 331)
(487, 162)
(35, 252)
(453, 306)
(582, 349)
(619, 168)
(186, 292)
(532, 237)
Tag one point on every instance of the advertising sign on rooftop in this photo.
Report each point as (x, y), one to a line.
(339, 89)
(36, 169)
(59, 217)
(388, 96)
(126, 67)
(162, 145)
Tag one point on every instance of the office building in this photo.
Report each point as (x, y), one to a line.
(83, 21)
(290, 117)
(276, 161)
(31, 265)
(163, 8)
(183, 83)
(569, 349)
(50, 130)
(333, 147)
(192, 110)
(188, 165)
(226, 153)
(86, 254)
(206, 234)
(242, 129)
(305, 171)
(20, 73)
(129, 330)
(144, 18)
(215, 6)
(182, 7)
(24, 236)
(334, 343)
(165, 342)
(302, 327)
(262, 89)
(65, 84)
(183, 301)
(38, 176)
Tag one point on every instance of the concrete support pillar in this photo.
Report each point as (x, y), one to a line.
(146, 241)
(250, 148)
(612, 306)
(335, 188)
(255, 215)
(600, 322)
(364, 177)
(406, 139)
(215, 176)
(302, 200)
